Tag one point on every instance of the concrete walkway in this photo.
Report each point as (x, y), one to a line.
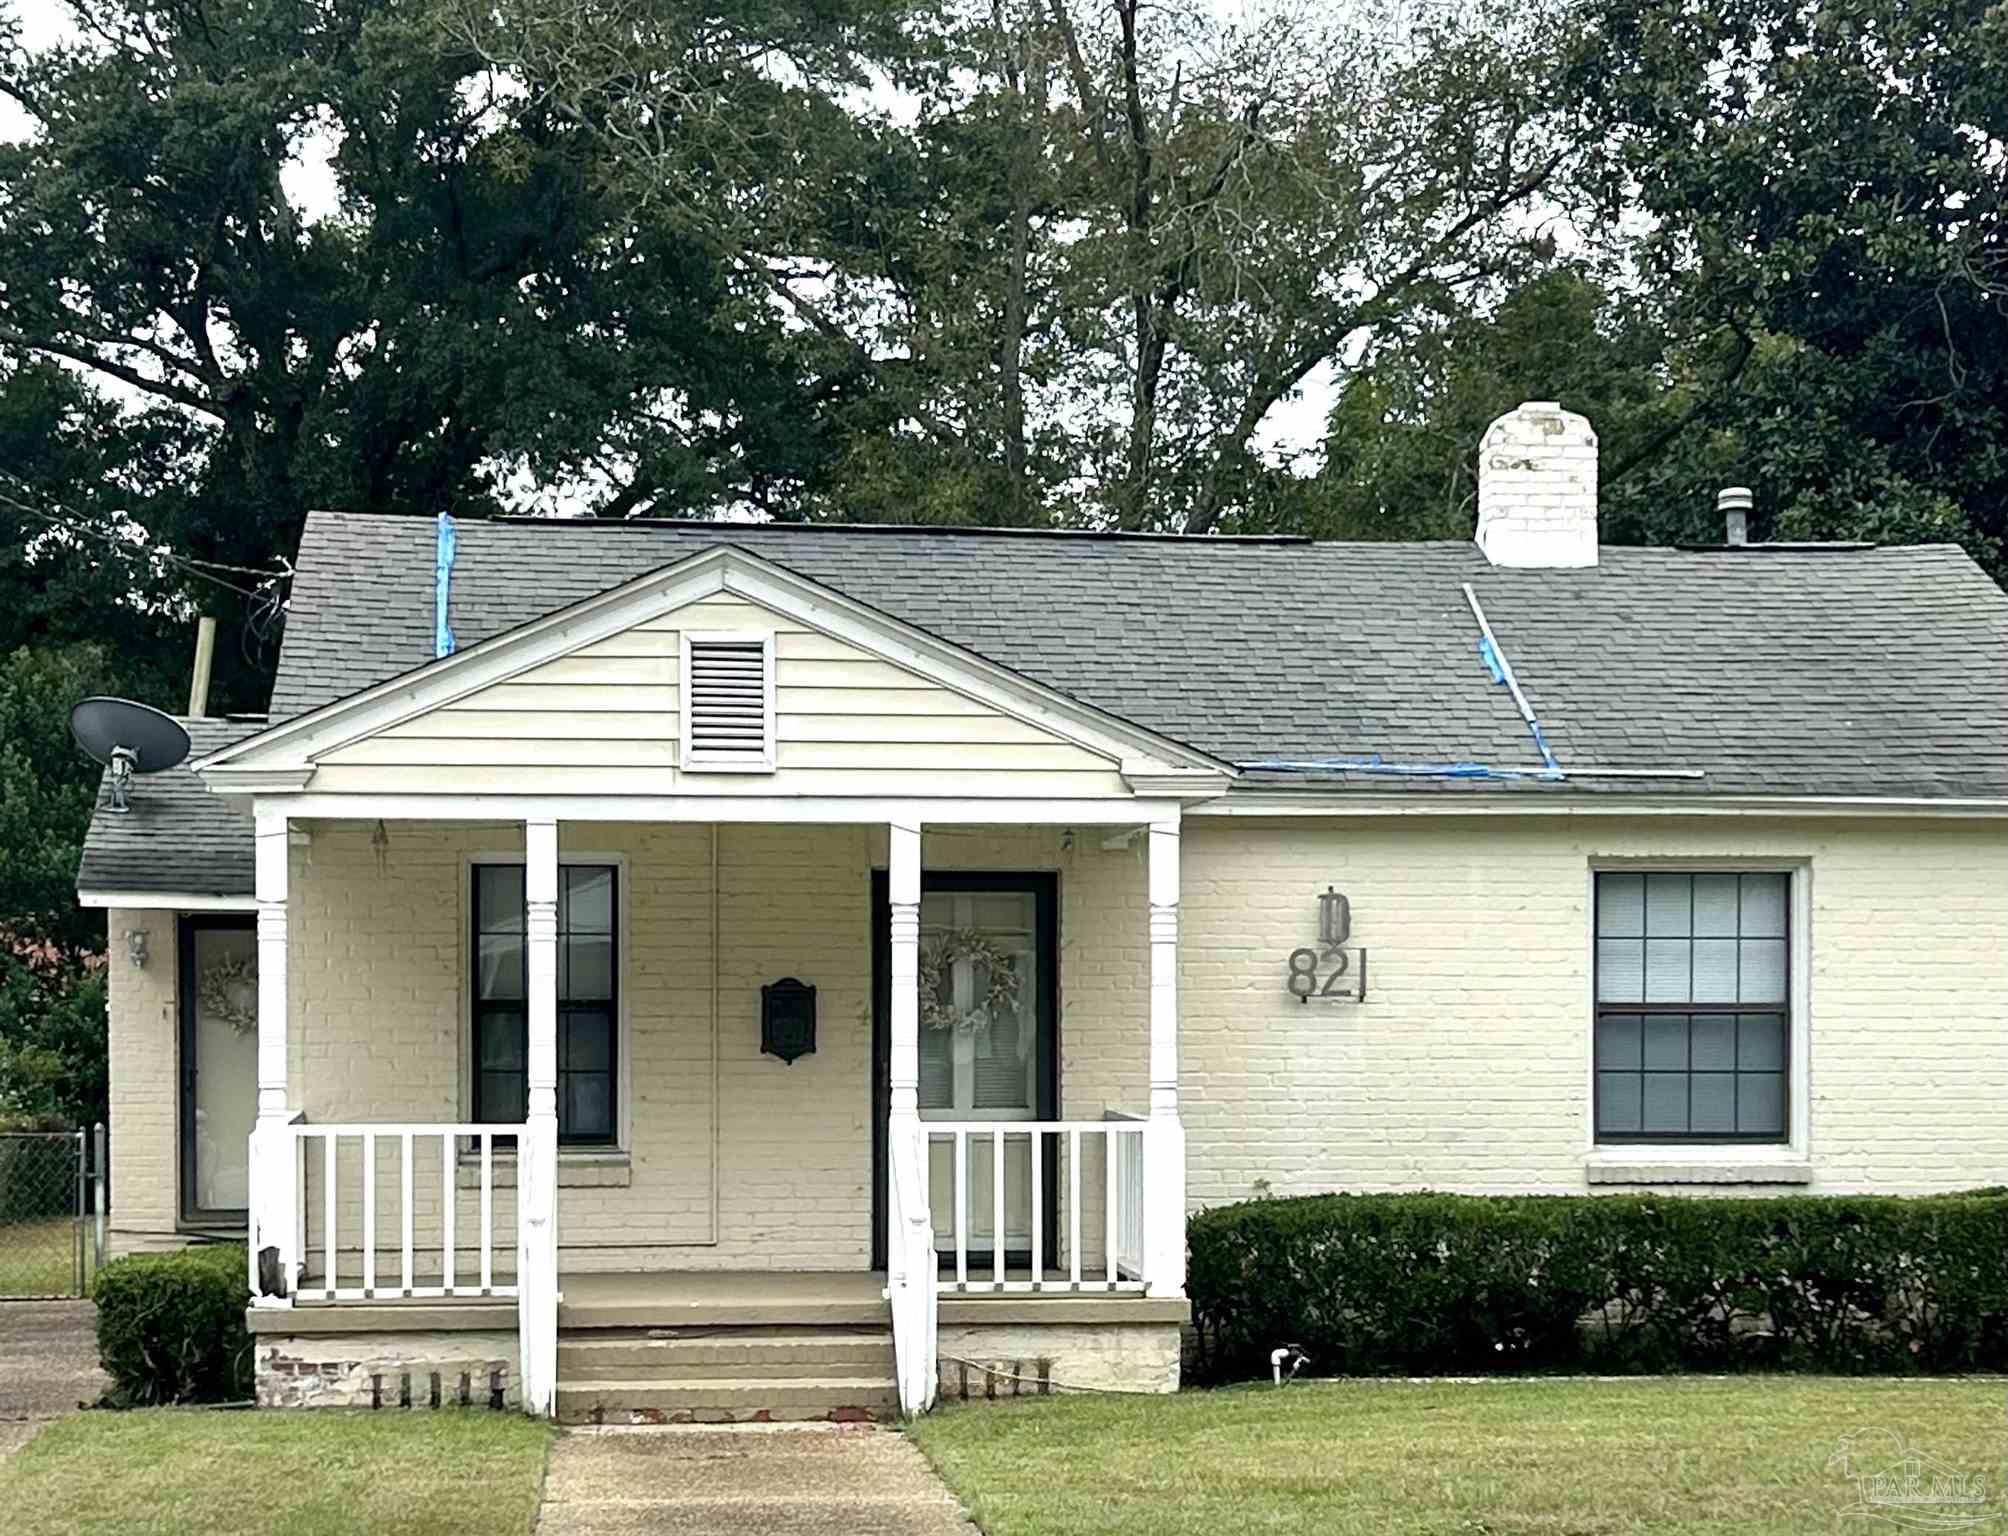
(48, 1365)
(749, 1480)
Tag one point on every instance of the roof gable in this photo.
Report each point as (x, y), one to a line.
(621, 639)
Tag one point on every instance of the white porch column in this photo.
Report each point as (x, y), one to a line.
(273, 1182)
(1164, 1153)
(537, 1148)
(903, 896)
(910, 1277)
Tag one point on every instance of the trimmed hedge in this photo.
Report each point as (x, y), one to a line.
(1434, 1284)
(171, 1327)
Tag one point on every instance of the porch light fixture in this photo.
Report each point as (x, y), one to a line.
(135, 942)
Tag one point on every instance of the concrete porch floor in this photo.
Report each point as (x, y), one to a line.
(715, 1298)
(722, 1298)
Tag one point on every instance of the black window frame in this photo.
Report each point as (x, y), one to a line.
(189, 1213)
(1784, 1009)
(480, 1008)
(1045, 886)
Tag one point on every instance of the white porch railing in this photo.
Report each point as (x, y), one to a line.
(298, 1171)
(1114, 1181)
(1127, 1150)
(342, 1212)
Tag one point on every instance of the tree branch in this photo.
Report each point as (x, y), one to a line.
(1084, 86)
(1746, 344)
(119, 371)
(1270, 387)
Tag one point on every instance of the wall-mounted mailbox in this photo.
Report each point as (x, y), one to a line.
(787, 1019)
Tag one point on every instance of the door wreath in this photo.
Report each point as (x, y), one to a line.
(228, 992)
(1000, 995)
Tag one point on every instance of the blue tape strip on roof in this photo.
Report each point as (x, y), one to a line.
(1403, 770)
(1495, 663)
(442, 585)
(1491, 655)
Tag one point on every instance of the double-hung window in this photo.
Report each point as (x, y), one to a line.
(1693, 1006)
(588, 1012)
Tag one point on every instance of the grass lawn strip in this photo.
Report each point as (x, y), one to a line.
(38, 1258)
(191, 1472)
(1496, 1458)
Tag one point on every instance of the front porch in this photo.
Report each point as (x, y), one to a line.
(853, 1191)
(688, 1346)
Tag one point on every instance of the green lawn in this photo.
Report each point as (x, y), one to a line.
(1496, 1458)
(190, 1472)
(38, 1258)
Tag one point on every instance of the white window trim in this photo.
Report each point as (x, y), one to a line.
(1710, 1162)
(464, 971)
(688, 760)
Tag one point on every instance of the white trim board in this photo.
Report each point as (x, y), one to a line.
(282, 757)
(167, 901)
(1359, 803)
(807, 810)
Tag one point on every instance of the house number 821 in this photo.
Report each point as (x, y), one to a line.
(1304, 974)
(1335, 926)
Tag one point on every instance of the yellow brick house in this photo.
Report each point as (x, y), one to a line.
(670, 970)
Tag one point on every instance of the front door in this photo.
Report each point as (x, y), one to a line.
(219, 1066)
(989, 980)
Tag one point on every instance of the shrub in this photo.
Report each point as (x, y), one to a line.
(1430, 1283)
(171, 1326)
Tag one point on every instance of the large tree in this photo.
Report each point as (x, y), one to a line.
(1111, 239)
(1804, 289)
(1823, 188)
(332, 260)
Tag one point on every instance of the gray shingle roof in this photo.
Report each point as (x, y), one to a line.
(1845, 672)
(178, 837)
(1831, 672)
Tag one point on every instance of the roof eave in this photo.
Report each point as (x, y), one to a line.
(1558, 800)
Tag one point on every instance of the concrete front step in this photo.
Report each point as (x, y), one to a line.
(728, 1400)
(669, 1355)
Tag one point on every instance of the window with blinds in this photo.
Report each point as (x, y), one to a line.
(728, 702)
(1694, 1014)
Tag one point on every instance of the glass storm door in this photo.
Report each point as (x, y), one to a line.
(988, 1050)
(219, 1065)
(979, 1052)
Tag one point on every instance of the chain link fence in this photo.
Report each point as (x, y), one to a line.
(52, 1212)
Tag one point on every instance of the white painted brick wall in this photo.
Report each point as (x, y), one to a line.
(144, 1099)
(1468, 1068)
(379, 977)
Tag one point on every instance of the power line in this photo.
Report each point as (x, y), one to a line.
(200, 569)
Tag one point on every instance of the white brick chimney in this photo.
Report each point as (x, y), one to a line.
(1537, 488)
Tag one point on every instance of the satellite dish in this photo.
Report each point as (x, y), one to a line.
(128, 738)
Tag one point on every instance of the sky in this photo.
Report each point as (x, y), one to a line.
(1290, 435)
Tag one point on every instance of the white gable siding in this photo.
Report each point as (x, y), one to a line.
(604, 719)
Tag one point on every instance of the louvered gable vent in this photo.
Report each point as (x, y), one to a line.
(728, 702)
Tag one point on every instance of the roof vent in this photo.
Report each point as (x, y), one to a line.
(1537, 488)
(1734, 502)
(728, 703)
